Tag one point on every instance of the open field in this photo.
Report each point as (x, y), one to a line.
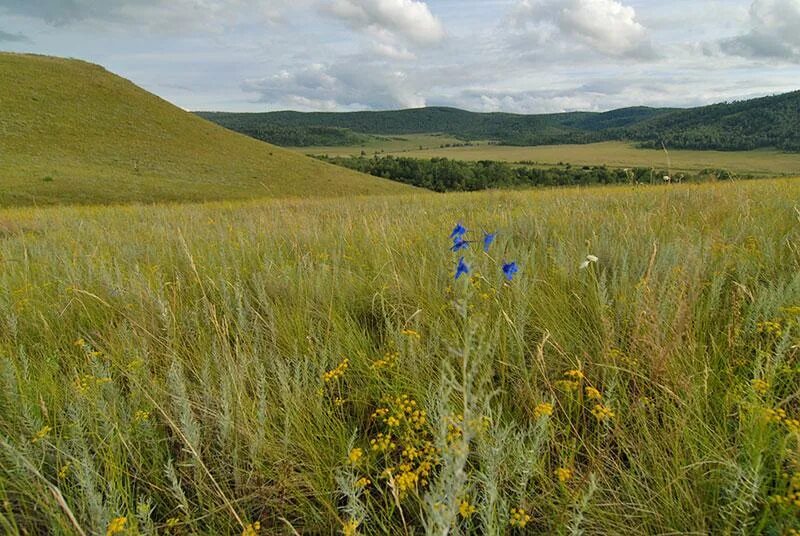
(71, 132)
(312, 365)
(611, 154)
(391, 144)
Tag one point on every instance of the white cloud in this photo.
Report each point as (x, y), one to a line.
(605, 26)
(774, 32)
(355, 84)
(409, 20)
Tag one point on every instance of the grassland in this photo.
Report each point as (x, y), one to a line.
(71, 132)
(391, 144)
(269, 362)
(612, 154)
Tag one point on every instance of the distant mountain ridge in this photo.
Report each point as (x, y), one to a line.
(751, 124)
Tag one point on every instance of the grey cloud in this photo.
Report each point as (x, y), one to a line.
(774, 32)
(347, 85)
(410, 20)
(13, 38)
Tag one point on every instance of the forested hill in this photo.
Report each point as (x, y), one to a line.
(752, 124)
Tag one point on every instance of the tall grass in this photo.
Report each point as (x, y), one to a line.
(184, 367)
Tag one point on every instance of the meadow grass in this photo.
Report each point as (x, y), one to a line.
(614, 154)
(312, 367)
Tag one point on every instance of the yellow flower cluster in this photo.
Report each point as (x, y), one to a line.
(568, 385)
(140, 416)
(336, 373)
(792, 496)
(403, 445)
(116, 526)
(575, 374)
(252, 529)
(87, 383)
(778, 416)
(770, 328)
(542, 409)
(618, 356)
(355, 455)
(564, 474)
(593, 394)
(519, 518)
(465, 509)
(759, 386)
(410, 333)
(388, 360)
(64, 471)
(455, 427)
(41, 434)
(602, 413)
(350, 527)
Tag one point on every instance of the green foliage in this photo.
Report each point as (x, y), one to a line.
(181, 367)
(443, 175)
(71, 132)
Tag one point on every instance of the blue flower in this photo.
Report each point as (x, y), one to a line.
(458, 231)
(510, 269)
(488, 238)
(462, 268)
(459, 244)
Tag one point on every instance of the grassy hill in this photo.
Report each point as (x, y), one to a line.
(769, 122)
(71, 132)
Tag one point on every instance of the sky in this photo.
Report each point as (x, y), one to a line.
(522, 56)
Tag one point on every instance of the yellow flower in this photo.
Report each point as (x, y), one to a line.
(543, 410)
(564, 474)
(355, 456)
(759, 386)
(363, 482)
(64, 471)
(519, 518)
(336, 373)
(140, 416)
(465, 508)
(593, 394)
(116, 526)
(602, 413)
(350, 528)
(410, 333)
(41, 434)
(252, 529)
(575, 374)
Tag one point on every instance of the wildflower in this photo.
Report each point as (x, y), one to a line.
(459, 244)
(355, 456)
(410, 333)
(575, 374)
(564, 474)
(116, 526)
(41, 434)
(760, 386)
(590, 259)
(593, 394)
(462, 268)
(252, 529)
(140, 416)
(543, 410)
(363, 482)
(336, 373)
(488, 238)
(602, 413)
(519, 518)
(465, 509)
(510, 269)
(350, 527)
(64, 471)
(458, 231)
(567, 385)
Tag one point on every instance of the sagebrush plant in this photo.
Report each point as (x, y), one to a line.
(314, 367)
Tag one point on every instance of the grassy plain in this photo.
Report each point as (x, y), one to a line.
(612, 154)
(198, 369)
(390, 144)
(71, 132)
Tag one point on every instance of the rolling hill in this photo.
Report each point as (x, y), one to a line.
(769, 122)
(71, 132)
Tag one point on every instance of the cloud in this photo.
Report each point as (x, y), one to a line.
(13, 38)
(774, 32)
(348, 85)
(408, 20)
(608, 27)
(166, 16)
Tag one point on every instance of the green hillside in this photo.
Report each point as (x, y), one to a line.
(768, 122)
(71, 132)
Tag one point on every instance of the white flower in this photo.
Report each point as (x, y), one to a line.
(589, 260)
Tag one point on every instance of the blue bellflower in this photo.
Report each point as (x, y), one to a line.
(462, 268)
(458, 231)
(510, 269)
(488, 238)
(459, 244)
